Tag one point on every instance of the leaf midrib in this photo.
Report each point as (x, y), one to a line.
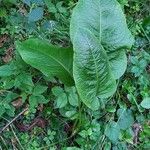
(96, 66)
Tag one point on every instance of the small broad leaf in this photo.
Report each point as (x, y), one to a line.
(11, 96)
(41, 99)
(111, 109)
(125, 118)
(39, 89)
(33, 101)
(51, 7)
(61, 100)
(112, 131)
(146, 103)
(49, 59)
(72, 96)
(27, 2)
(2, 109)
(36, 14)
(23, 79)
(100, 37)
(57, 91)
(24, 82)
(70, 114)
(6, 70)
(60, 7)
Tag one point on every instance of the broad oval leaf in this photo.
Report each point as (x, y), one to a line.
(100, 36)
(36, 14)
(146, 103)
(49, 59)
(112, 131)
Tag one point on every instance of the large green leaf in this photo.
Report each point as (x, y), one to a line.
(100, 36)
(49, 59)
(146, 103)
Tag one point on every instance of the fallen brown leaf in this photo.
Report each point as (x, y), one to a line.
(40, 107)
(8, 55)
(39, 122)
(17, 103)
(3, 39)
(137, 128)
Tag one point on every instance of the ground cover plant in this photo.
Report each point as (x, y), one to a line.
(64, 80)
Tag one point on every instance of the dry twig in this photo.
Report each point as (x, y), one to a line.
(9, 123)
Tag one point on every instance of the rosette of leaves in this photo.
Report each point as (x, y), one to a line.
(100, 37)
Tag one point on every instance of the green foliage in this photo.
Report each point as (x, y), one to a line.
(126, 119)
(61, 100)
(99, 41)
(65, 122)
(36, 96)
(100, 67)
(146, 103)
(49, 59)
(36, 14)
(5, 105)
(63, 97)
(112, 131)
